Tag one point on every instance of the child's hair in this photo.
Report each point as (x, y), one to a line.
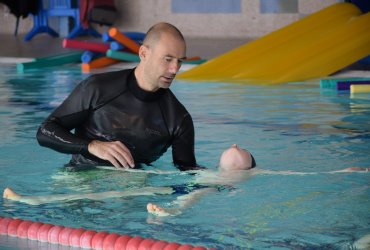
(254, 164)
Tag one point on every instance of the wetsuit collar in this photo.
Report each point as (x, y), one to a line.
(141, 94)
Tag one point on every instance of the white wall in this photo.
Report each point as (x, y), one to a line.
(139, 15)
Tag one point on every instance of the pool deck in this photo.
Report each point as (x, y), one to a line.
(15, 49)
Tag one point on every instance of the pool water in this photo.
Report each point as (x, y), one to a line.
(293, 126)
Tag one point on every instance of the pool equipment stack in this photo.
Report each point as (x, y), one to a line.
(124, 56)
(98, 63)
(364, 88)
(56, 60)
(79, 237)
(125, 47)
(124, 40)
(345, 84)
(86, 45)
(116, 47)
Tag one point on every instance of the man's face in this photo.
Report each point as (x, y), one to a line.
(163, 60)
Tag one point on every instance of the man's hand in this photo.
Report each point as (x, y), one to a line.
(115, 152)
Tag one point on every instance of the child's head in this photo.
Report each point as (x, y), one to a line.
(235, 158)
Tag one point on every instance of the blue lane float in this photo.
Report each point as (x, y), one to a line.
(106, 37)
(88, 56)
(346, 85)
(116, 46)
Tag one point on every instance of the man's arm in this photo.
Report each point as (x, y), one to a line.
(55, 131)
(56, 134)
(183, 146)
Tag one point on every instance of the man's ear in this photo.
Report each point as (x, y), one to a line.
(143, 52)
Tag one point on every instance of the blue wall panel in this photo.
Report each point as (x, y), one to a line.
(279, 6)
(206, 6)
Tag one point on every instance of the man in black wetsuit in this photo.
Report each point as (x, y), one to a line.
(127, 117)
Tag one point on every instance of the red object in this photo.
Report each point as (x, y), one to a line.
(159, 245)
(86, 45)
(121, 242)
(98, 239)
(172, 246)
(86, 237)
(22, 231)
(53, 236)
(146, 244)
(79, 237)
(87, 5)
(185, 247)
(4, 225)
(109, 241)
(134, 243)
(64, 236)
(43, 232)
(33, 229)
(13, 226)
(74, 237)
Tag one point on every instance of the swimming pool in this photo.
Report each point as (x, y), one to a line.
(293, 126)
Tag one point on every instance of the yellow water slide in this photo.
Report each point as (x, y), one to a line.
(315, 46)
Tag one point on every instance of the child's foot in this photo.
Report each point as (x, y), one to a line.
(156, 210)
(10, 194)
(356, 169)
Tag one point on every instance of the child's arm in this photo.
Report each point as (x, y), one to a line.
(288, 172)
(180, 204)
(37, 200)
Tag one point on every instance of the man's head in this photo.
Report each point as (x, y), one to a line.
(161, 55)
(235, 158)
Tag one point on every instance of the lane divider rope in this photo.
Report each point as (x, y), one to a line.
(79, 237)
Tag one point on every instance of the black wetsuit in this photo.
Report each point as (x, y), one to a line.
(111, 106)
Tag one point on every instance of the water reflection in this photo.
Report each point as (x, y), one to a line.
(26, 99)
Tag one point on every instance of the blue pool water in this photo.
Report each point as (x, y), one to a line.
(293, 126)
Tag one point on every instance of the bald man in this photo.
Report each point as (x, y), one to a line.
(129, 117)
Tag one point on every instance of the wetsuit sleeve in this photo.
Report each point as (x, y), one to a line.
(56, 131)
(183, 146)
